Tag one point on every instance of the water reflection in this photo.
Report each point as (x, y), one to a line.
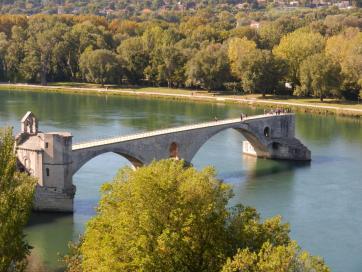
(260, 167)
(324, 130)
(270, 181)
(46, 229)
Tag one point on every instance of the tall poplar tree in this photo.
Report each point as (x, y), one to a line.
(16, 194)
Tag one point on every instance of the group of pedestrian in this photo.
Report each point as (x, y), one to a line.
(277, 111)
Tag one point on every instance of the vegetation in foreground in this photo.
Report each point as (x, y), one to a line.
(165, 217)
(16, 196)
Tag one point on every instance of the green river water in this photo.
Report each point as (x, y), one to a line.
(322, 201)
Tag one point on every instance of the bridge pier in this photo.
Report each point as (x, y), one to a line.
(280, 150)
(53, 159)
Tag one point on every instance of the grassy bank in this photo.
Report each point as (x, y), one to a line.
(310, 105)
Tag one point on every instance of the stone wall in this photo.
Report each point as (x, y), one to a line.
(52, 199)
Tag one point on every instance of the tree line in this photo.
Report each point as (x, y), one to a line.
(314, 53)
(127, 8)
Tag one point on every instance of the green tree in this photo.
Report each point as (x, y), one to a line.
(100, 66)
(168, 217)
(159, 218)
(244, 32)
(319, 76)
(205, 34)
(166, 59)
(134, 58)
(15, 53)
(16, 195)
(257, 69)
(4, 44)
(167, 65)
(81, 36)
(45, 34)
(296, 47)
(238, 48)
(345, 49)
(270, 33)
(283, 258)
(209, 68)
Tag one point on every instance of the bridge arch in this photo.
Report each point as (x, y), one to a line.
(81, 158)
(258, 142)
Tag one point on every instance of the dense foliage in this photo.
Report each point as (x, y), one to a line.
(206, 49)
(127, 8)
(16, 195)
(165, 217)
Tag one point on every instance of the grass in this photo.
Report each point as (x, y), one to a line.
(313, 101)
(163, 90)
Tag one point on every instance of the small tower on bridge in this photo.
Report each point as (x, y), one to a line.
(47, 156)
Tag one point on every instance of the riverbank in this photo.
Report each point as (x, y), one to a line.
(309, 105)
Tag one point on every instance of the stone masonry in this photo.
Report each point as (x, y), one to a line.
(53, 159)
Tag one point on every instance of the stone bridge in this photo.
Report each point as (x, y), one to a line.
(53, 159)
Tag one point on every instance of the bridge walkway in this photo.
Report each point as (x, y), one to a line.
(167, 131)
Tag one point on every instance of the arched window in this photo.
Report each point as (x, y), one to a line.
(267, 132)
(26, 163)
(174, 151)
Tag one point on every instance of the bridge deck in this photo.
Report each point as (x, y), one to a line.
(165, 131)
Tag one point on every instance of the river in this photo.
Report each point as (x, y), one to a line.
(322, 201)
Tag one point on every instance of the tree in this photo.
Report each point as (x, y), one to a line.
(44, 36)
(270, 33)
(80, 37)
(167, 65)
(162, 217)
(238, 48)
(209, 68)
(296, 47)
(205, 33)
(166, 60)
(4, 44)
(319, 76)
(16, 195)
(92, 35)
(244, 32)
(168, 217)
(345, 49)
(257, 69)
(134, 58)
(100, 66)
(283, 258)
(15, 53)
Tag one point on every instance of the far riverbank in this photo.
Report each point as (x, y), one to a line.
(308, 105)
